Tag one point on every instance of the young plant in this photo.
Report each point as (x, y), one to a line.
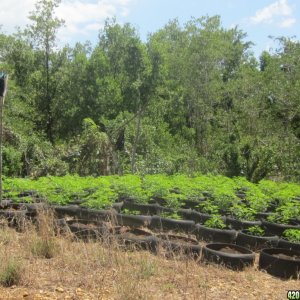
(208, 207)
(215, 222)
(242, 212)
(256, 230)
(171, 215)
(286, 212)
(292, 235)
(127, 211)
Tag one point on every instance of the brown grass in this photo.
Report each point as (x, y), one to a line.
(103, 270)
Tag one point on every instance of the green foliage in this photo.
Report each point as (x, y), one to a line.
(148, 108)
(171, 215)
(131, 212)
(256, 230)
(215, 222)
(292, 235)
(209, 207)
(286, 212)
(130, 186)
(242, 212)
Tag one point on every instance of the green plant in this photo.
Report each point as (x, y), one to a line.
(131, 212)
(242, 212)
(256, 230)
(208, 207)
(130, 186)
(292, 235)
(215, 222)
(171, 215)
(11, 272)
(286, 212)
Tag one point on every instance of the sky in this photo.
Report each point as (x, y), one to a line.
(84, 18)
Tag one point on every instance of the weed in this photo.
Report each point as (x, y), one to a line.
(11, 272)
(44, 247)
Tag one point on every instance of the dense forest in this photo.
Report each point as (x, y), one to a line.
(191, 99)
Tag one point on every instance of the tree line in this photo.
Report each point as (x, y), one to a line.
(192, 98)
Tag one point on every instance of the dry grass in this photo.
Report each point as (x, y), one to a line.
(100, 270)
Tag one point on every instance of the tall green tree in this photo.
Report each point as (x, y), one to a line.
(42, 35)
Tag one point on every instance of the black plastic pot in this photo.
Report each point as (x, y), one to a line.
(191, 204)
(280, 262)
(158, 200)
(95, 215)
(132, 220)
(277, 228)
(215, 235)
(76, 202)
(145, 209)
(117, 206)
(87, 231)
(179, 244)
(160, 223)
(68, 210)
(288, 245)
(6, 203)
(199, 217)
(241, 195)
(139, 239)
(263, 215)
(15, 218)
(253, 242)
(232, 256)
(32, 209)
(29, 193)
(240, 224)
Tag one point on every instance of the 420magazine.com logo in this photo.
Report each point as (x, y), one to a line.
(293, 294)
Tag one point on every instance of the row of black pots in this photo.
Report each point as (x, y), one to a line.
(160, 223)
(198, 217)
(238, 258)
(202, 232)
(278, 262)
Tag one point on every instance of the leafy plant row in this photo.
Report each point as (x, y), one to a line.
(213, 193)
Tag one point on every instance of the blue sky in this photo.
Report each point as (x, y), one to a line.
(84, 18)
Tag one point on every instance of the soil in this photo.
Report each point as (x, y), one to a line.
(137, 233)
(288, 257)
(179, 239)
(230, 250)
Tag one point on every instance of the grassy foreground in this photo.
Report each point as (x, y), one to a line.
(37, 264)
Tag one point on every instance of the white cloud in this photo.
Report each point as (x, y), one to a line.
(267, 14)
(273, 12)
(82, 17)
(289, 22)
(14, 13)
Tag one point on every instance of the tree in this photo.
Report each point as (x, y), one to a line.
(42, 34)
